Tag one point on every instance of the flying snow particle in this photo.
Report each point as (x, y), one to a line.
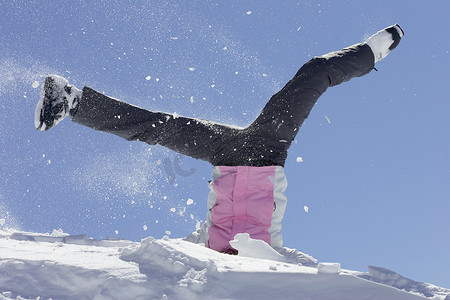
(148, 77)
(2, 222)
(306, 208)
(168, 232)
(116, 231)
(299, 159)
(197, 225)
(191, 69)
(189, 201)
(192, 99)
(145, 227)
(35, 85)
(298, 29)
(249, 12)
(173, 209)
(328, 119)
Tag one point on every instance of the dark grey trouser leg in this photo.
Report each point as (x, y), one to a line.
(286, 111)
(196, 138)
(264, 142)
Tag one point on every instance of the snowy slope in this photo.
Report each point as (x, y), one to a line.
(59, 266)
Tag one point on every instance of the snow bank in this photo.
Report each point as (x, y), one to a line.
(61, 266)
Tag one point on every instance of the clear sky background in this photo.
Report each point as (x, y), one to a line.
(375, 167)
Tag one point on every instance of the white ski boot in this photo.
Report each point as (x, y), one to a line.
(58, 99)
(384, 41)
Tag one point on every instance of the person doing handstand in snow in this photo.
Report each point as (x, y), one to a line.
(248, 182)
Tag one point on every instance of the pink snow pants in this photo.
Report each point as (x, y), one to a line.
(243, 199)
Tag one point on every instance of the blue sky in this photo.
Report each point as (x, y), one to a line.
(375, 151)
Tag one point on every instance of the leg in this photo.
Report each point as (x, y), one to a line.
(199, 139)
(277, 125)
(196, 138)
(287, 110)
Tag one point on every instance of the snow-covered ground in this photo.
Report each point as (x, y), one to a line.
(61, 266)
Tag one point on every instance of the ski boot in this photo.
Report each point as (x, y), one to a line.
(58, 99)
(384, 41)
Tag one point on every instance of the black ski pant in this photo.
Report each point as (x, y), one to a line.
(264, 142)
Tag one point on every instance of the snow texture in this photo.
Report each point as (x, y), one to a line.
(62, 266)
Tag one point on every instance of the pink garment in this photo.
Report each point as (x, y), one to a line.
(245, 203)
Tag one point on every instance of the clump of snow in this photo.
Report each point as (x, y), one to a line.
(306, 208)
(328, 268)
(35, 84)
(299, 159)
(248, 247)
(189, 201)
(58, 233)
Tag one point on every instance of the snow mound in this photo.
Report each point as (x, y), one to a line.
(385, 276)
(62, 266)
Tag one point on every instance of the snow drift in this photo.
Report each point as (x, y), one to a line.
(61, 266)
